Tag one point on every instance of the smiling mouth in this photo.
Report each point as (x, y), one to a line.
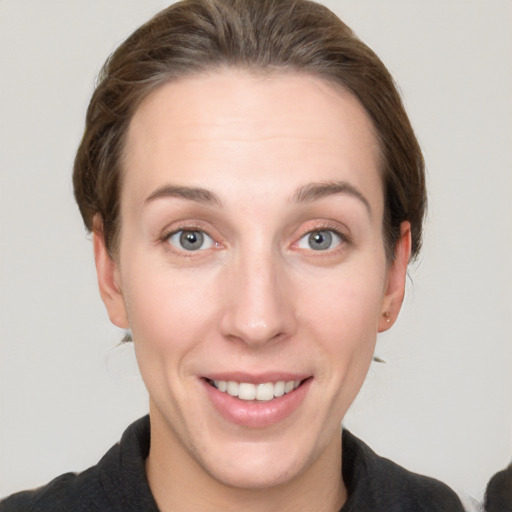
(263, 392)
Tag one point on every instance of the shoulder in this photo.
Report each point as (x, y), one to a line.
(498, 496)
(377, 483)
(68, 492)
(117, 483)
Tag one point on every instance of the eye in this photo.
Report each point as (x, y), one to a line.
(320, 240)
(191, 240)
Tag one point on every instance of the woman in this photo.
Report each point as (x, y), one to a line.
(255, 193)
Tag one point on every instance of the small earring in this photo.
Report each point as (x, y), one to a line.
(386, 316)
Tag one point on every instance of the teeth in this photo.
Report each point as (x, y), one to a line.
(262, 392)
(279, 388)
(232, 388)
(265, 392)
(246, 391)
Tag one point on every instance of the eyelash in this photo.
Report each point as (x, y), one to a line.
(211, 242)
(187, 228)
(343, 240)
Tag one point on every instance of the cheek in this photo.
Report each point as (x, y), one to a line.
(347, 301)
(169, 316)
(341, 315)
(163, 305)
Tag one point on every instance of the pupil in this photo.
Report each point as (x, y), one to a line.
(191, 240)
(320, 240)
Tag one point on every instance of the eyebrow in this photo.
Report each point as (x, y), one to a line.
(319, 190)
(305, 194)
(197, 194)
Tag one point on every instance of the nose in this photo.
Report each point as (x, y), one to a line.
(258, 304)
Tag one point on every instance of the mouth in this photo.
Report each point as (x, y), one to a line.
(263, 392)
(256, 402)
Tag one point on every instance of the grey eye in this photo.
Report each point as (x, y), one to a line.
(321, 240)
(191, 240)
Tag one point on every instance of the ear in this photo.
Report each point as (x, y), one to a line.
(397, 273)
(107, 271)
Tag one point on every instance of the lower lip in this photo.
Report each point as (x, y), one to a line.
(254, 413)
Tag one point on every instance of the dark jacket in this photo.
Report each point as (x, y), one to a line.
(118, 483)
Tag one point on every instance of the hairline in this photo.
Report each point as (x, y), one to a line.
(256, 70)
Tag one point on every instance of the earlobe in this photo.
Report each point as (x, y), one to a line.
(397, 274)
(108, 278)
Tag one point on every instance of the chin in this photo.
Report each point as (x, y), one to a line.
(255, 475)
(254, 466)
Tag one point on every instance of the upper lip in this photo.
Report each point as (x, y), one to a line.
(258, 378)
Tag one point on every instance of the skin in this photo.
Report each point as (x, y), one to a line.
(255, 297)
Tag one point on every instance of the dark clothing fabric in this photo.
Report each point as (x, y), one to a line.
(498, 496)
(378, 484)
(118, 483)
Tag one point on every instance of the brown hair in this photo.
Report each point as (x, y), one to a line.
(260, 35)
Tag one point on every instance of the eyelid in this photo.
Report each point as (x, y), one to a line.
(339, 230)
(188, 226)
(211, 243)
(337, 239)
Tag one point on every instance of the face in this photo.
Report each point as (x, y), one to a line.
(251, 262)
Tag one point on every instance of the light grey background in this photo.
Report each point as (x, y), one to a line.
(441, 406)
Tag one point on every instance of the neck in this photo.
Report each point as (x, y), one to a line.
(179, 483)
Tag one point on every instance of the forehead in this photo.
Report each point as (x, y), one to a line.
(284, 128)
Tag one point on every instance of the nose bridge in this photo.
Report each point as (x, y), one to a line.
(258, 307)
